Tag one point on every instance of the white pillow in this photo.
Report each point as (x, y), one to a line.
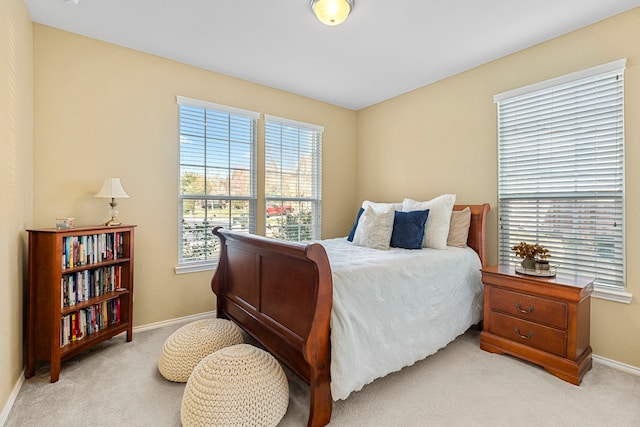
(374, 229)
(381, 207)
(437, 228)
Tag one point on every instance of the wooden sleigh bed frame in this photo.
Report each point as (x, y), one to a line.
(280, 293)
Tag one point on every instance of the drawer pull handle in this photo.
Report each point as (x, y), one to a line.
(524, 337)
(523, 310)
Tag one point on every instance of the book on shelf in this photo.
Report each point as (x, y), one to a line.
(65, 331)
(80, 286)
(82, 250)
(90, 320)
(74, 332)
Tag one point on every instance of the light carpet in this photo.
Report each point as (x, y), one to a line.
(118, 384)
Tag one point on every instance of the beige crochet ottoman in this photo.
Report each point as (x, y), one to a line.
(240, 385)
(187, 346)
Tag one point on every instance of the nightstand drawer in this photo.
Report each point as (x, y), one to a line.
(531, 334)
(529, 307)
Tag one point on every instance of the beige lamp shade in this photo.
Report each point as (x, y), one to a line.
(112, 189)
(332, 12)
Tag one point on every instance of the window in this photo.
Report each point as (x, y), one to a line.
(292, 179)
(561, 172)
(217, 177)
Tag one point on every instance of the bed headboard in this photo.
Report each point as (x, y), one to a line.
(477, 239)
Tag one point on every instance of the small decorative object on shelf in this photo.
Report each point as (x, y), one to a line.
(530, 253)
(65, 223)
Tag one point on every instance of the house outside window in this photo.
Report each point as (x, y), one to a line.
(561, 172)
(293, 193)
(217, 178)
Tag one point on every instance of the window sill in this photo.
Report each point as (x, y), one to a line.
(195, 268)
(612, 295)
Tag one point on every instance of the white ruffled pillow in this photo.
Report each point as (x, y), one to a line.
(437, 227)
(374, 229)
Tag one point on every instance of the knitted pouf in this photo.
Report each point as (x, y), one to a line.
(239, 385)
(191, 343)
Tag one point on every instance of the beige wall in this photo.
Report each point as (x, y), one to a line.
(442, 138)
(75, 111)
(16, 168)
(105, 111)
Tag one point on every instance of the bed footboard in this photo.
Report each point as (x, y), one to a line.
(280, 293)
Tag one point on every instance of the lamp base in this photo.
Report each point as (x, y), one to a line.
(113, 222)
(114, 214)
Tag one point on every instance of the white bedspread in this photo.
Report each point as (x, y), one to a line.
(393, 308)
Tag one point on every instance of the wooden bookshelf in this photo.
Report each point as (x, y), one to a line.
(80, 291)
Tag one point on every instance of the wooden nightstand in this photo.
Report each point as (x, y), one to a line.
(545, 321)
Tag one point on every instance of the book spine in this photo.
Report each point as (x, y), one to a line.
(85, 284)
(69, 250)
(78, 281)
(121, 245)
(81, 325)
(81, 250)
(105, 316)
(64, 253)
(98, 316)
(74, 327)
(96, 282)
(63, 293)
(65, 330)
(94, 319)
(76, 251)
(71, 295)
(89, 321)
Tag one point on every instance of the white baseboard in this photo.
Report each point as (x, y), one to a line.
(12, 398)
(617, 365)
(162, 323)
(16, 389)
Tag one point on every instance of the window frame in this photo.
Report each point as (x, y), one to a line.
(210, 263)
(617, 292)
(297, 201)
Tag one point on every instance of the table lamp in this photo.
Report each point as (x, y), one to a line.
(112, 189)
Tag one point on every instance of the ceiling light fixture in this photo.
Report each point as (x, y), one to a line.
(332, 12)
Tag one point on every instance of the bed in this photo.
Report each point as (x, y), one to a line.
(282, 294)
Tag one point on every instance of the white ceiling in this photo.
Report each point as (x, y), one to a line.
(384, 48)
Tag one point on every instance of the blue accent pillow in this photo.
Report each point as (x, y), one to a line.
(408, 229)
(353, 230)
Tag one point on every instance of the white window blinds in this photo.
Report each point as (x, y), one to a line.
(217, 176)
(293, 193)
(561, 172)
